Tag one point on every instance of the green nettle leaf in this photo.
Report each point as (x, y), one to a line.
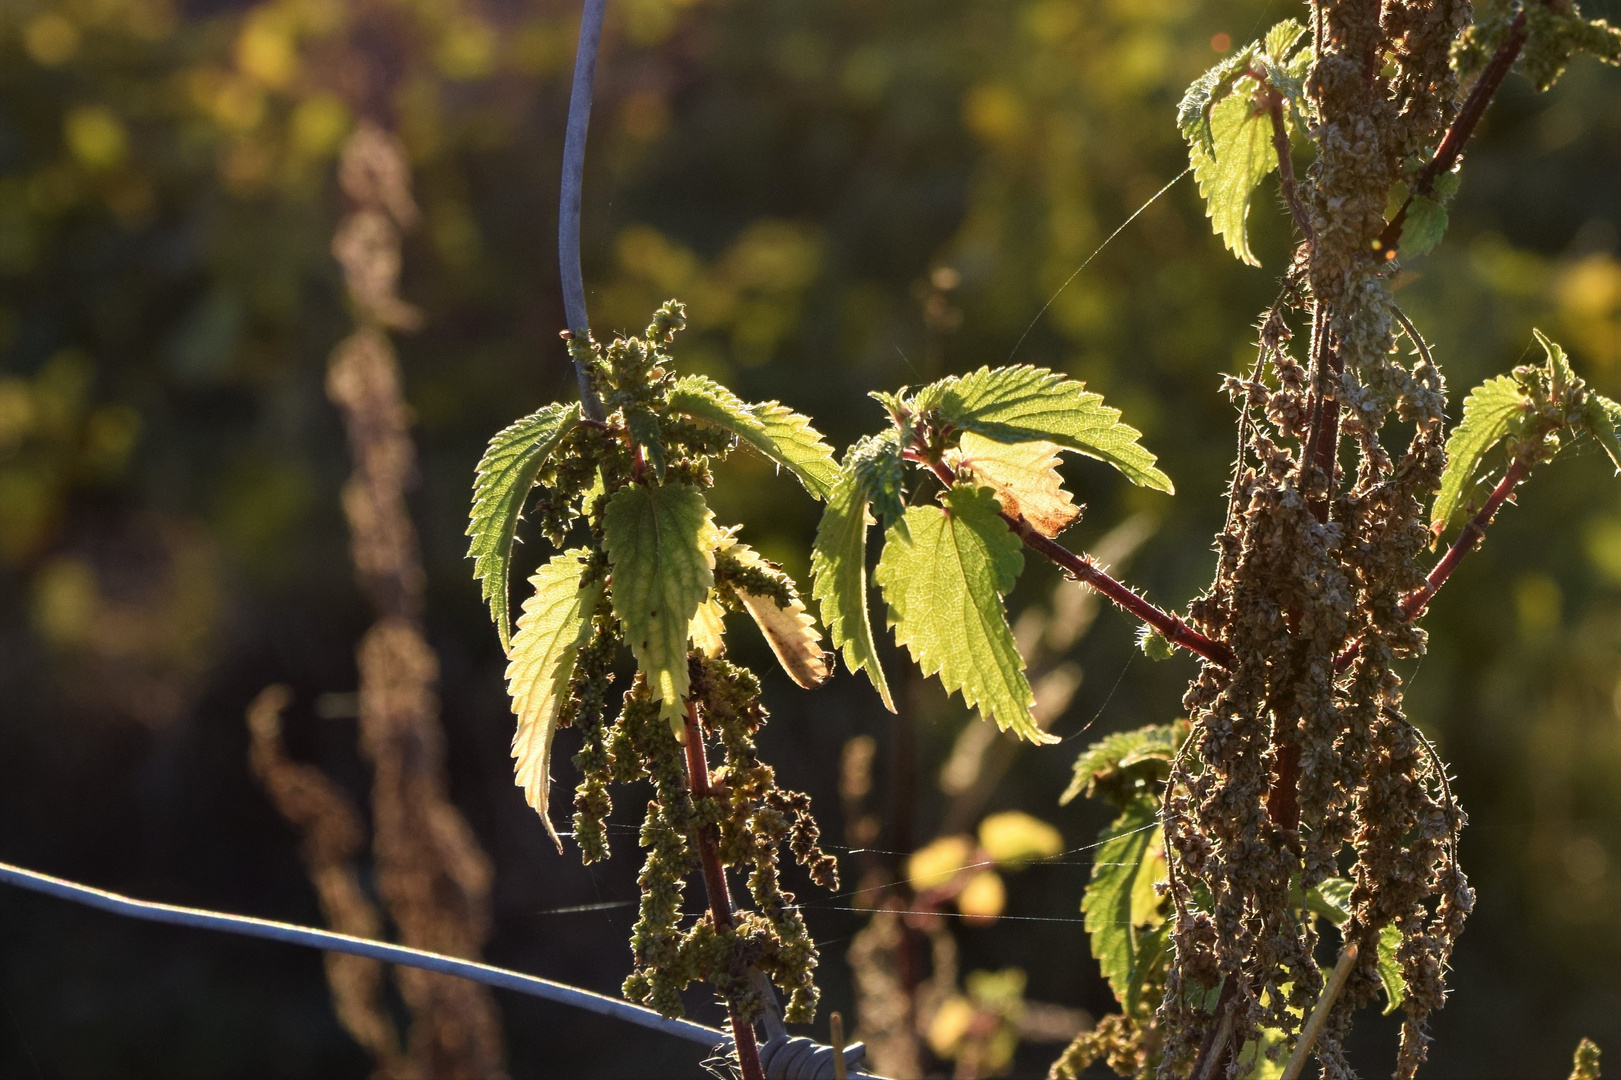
(1124, 765)
(775, 430)
(1239, 157)
(1193, 113)
(1426, 223)
(553, 627)
(839, 579)
(1561, 377)
(1390, 968)
(1330, 898)
(1282, 38)
(1153, 948)
(1602, 419)
(1027, 404)
(1154, 645)
(876, 462)
(661, 545)
(1120, 857)
(1494, 410)
(944, 586)
(643, 426)
(505, 476)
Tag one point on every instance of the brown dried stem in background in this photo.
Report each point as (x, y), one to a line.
(333, 835)
(431, 875)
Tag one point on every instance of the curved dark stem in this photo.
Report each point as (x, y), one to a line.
(568, 211)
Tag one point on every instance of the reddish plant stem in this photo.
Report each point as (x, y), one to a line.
(1463, 126)
(720, 897)
(1082, 568)
(1473, 533)
(1286, 165)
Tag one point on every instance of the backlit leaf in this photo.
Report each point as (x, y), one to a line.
(1494, 410)
(1013, 837)
(1119, 858)
(505, 476)
(775, 430)
(1239, 156)
(1602, 419)
(1390, 968)
(937, 862)
(1121, 766)
(661, 544)
(708, 628)
(790, 631)
(1024, 477)
(1024, 404)
(1424, 226)
(553, 627)
(839, 579)
(944, 586)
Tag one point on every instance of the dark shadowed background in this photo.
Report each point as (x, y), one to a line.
(849, 195)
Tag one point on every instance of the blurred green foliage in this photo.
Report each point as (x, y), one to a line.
(849, 196)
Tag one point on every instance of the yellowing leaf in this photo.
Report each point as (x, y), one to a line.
(708, 629)
(932, 866)
(661, 544)
(1024, 477)
(553, 627)
(984, 898)
(1239, 158)
(789, 631)
(1013, 837)
(944, 586)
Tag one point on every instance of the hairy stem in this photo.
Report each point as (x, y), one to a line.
(1319, 1015)
(1082, 568)
(568, 211)
(1286, 166)
(1452, 144)
(1473, 533)
(720, 898)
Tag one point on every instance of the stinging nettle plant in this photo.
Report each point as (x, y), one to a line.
(1295, 792)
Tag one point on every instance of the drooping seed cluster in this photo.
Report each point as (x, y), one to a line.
(1301, 764)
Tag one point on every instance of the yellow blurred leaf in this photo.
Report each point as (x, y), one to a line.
(1014, 837)
(51, 39)
(1024, 477)
(984, 897)
(319, 124)
(96, 137)
(265, 51)
(950, 1025)
(932, 866)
